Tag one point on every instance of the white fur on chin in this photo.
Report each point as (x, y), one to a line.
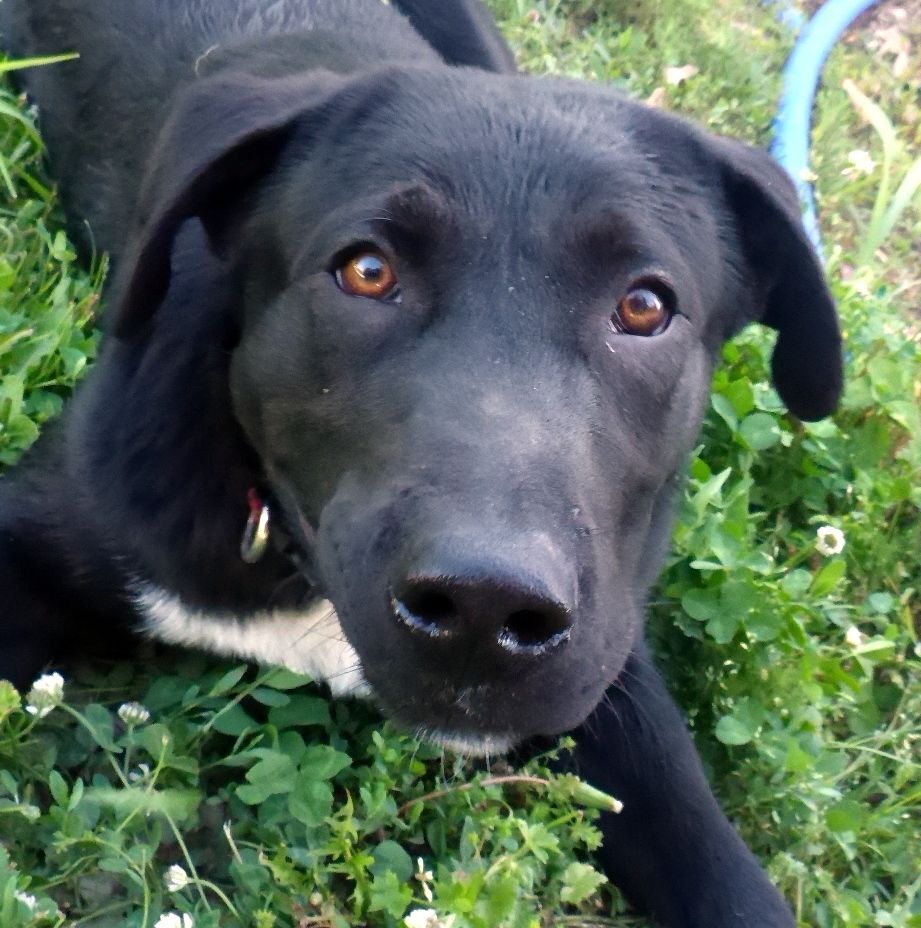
(310, 642)
(469, 745)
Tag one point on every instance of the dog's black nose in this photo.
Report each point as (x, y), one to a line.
(516, 613)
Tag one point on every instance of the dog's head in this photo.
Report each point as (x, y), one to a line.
(475, 323)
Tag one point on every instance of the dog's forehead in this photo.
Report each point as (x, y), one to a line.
(539, 155)
(488, 131)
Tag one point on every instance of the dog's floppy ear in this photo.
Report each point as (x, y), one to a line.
(790, 285)
(225, 132)
(463, 32)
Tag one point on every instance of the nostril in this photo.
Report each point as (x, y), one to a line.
(484, 609)
(535, 631)
(425, 610)
(527, 627)
(430, 605)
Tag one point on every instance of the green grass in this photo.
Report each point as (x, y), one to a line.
(799, 672)
(46, 303)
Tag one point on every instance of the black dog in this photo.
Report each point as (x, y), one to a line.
(434, 343)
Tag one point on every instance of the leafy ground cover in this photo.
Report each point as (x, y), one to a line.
(796, 659)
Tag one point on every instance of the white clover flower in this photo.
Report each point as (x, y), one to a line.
(421, 918)
(854, 637)
(829, 540)
(50, 685)
(424, 877)
(427, 918)
(172, 920)
(141, 773)
(677, 76)
(861, 161)
(46, 693)
(27, 899)
(133, 713)
(175, 878)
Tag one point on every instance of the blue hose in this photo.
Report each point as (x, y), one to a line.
(800, 78)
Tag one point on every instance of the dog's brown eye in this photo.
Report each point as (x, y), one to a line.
(642, 311)
(368, 274)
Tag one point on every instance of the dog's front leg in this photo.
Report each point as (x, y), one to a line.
(25, 648)
(671, 849)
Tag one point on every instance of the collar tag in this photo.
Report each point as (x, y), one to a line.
(256, 532)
